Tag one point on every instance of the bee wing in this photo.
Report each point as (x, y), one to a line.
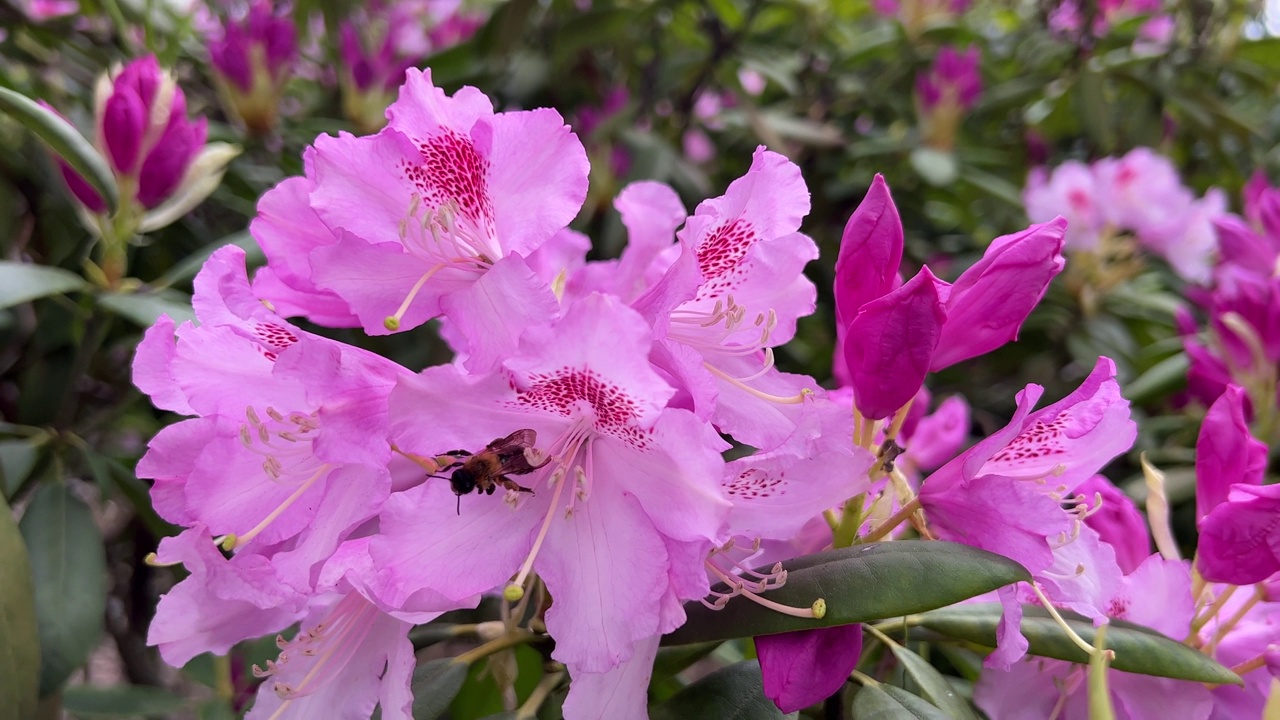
(520, 438)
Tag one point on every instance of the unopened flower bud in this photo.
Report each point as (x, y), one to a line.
(252, 57)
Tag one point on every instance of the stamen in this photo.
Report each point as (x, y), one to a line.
(789, 400)
(738, 586)
(242, 540)
(392, 322)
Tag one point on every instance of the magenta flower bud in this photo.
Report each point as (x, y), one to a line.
(252, 57)
(1240, 538)
(870, 253)
(989, 301)
(1239, 244)
(144, 130)
(1118, 522)
(953, 78)
(1226, 453)
(890, 343)
(807, 666)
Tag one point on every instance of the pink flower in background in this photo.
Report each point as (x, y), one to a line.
(252, 57)
(954, 79)
(624, 506)
(1070, 191)
(383, 40)
(41, 10)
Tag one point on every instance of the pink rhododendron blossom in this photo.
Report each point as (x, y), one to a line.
(952, 79)
(807, 666)
(252, 56)
(1070, 191)
(734, 293)
(937, 437)
(624, 505)
(289, 440)
(424, 211)
(1226, 453)
(870, 253)
(619, 694)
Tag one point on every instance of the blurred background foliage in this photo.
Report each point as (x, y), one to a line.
(671, 90)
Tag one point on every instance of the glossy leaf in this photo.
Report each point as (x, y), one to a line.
(435, 684)
(120, 701)
(671, 660)
(932, 685)
(732, 693)
(143, 308)
(862, 583)
(887, 702)
(64, 140)
(68, 564)
(20, 648)
(1138, 649)
(17, 459)
(24, 282)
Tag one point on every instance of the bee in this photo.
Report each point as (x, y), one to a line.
(488, 469)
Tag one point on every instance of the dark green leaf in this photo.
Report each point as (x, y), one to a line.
(20, 644)
(120, 701)
(1158, 380)
(63, 139)
(859, 584)
(887, 702)
(434, 686)
(17, 460)
(187, 268)
(68, 564)
(23, 282)
(672, 660)
(217, 710)
(144, 308)
(732, 693)
(1138, 649)
(933, 686)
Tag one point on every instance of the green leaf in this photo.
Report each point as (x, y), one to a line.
(68, 564)
(120, 701)
(217, 710)
(63, 139)
(17, 459)
(144, 307)
(1138, 649)
(933, 686)
(435, 684)
(20, 647)
(935, 166)
(1159, 379)
(23, 282)
(671, 660)
(732, 693)
(887, 702)
(186, 268)
(859, 584)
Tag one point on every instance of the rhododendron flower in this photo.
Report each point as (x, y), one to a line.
(288, 447)
(161, 162)
(436, 214)
(1070, 191)
(1158, 595)
(1117, 520)
(733, 294)
(383, 40)
(1226, 453)
(1004, 494)
(807, 666)
(892, 335)
(1239, 538)
(623, 508)
(252, 57)
(946, 92)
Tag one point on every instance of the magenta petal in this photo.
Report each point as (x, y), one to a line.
(807, 666)
(989, 302)
(1240, 539)
(890, 343)
(1225, 452)
(152, 371)
(81, 189)
(870, 252)
(124, 120)
(495, 310)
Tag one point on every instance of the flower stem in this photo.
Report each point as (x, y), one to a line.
(1100, 706)
(506, 641)
(546, 686)
(894, 521)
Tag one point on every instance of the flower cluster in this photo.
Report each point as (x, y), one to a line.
(946, 93)
(1138, 199)
(252, 54)
(574, 449)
